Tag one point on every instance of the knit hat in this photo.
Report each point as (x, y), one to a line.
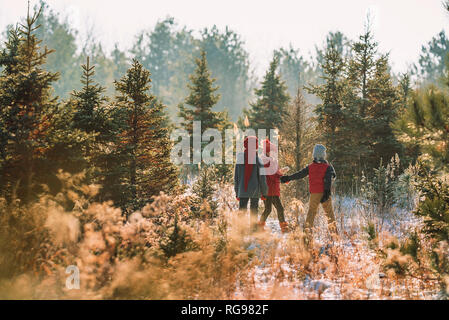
(268, 146)
(319, 152)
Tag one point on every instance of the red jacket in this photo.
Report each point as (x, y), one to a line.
(320, 176)
(316, 177)
(273, 181)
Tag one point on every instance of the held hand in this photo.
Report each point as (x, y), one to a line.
(285, 179)
(285, 170)
(238, 199)
(326, 196)
(263, 198)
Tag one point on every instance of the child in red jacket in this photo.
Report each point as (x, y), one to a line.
(320, 174)
(273, 182)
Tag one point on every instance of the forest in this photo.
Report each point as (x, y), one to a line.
(87, 182)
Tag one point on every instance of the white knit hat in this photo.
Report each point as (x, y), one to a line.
(319, 152)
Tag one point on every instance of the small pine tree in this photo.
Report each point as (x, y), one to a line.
(144, 141)
(88, 101)
(272, 100)
(204, 205)
(177, 241)
(92, 115)
(434, 208)
(202, 98)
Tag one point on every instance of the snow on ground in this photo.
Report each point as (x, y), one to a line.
(361, 267)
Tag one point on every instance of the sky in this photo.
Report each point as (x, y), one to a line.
(400, 26)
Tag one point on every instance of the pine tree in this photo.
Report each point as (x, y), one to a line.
(88, 101)
(272, 100)
(336, 115)
(298, 134)
(202, 98)
(56, 32)
(330, 112)
(8, 63)
(340, 43)
(383, 111)
(433, 208)
(36, 128)
(176, 242)
(120, 62)
(92, 115)
(26, 108)
(204, 205)
(144, 142)
(372, 103)
(425, 124)
(361, 67)
(229, 63)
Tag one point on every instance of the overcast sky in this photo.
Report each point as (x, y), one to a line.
(401, 26)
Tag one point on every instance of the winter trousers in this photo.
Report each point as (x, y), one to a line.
(254, 206)
(276, 201)
(314, 203)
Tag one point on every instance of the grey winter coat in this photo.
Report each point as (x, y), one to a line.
(257, 185)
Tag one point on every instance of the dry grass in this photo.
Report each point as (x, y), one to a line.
(122, 258)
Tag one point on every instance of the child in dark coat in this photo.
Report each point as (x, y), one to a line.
(320, 174)
(249, 182)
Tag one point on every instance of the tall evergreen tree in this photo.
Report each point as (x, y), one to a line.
(26, 108)
(229, 63)
(298, 135)
(93, 115)
(339, 42)
(202, 99)
(361, 68)
(36, 136)
(120, 62)
(374, 102)
(385, 104)
(297, 72)
(167, 51)
(268, 110)
(8, 64)
(433, 58)
(56, 32)
(331, 109)
(144, 142)
(336, 114)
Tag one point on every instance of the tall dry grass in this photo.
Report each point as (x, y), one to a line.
(164, 251)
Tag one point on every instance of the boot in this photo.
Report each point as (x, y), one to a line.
(261, 226)
(284, 227)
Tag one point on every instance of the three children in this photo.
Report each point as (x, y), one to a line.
(251, 184)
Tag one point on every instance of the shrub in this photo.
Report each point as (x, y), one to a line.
(433, 207)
